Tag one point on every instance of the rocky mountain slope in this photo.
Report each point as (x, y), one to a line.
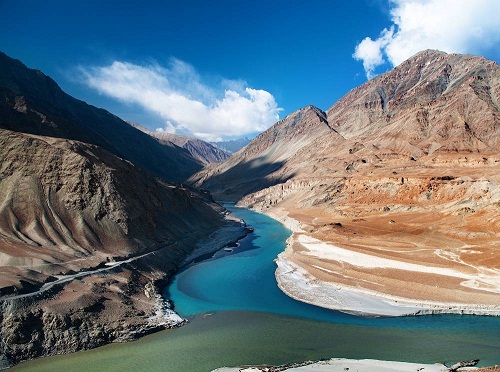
(88, 238)
(73, 210)
(67, 207)
(272, 157)
(402, 171)
(32, 102)
(203, 151)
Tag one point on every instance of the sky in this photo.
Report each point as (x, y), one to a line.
(225, 69)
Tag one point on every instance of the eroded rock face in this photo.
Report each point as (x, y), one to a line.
(405, 167)
(67, 207)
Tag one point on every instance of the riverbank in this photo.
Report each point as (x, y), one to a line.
(364, 365)
(322, 274)
(119, 301)
(264, 326)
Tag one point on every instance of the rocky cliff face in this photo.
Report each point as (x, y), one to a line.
(69, 208)
(32, 102)
(404, 167)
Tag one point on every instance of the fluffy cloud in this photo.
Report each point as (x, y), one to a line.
(188, 105)
(453, 26)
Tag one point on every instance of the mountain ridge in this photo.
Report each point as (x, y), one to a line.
(33, 103)
(201, 150)
(263, 160)
(406, 172)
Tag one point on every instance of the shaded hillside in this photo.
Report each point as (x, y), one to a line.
(32, 102)
(271, 158)
(203, 151)
(67, 207)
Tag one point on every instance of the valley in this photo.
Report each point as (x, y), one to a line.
(393, 192)
(392, 198)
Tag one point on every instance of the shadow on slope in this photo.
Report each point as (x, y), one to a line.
(245, 178)
(32, 102)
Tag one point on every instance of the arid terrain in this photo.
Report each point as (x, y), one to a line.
(87, 239)
(393, 193)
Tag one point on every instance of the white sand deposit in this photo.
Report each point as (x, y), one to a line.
(342, 365)
(487, 279)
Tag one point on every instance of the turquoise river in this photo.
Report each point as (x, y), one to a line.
(239, 316)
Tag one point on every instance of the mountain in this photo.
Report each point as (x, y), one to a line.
(402, 174)
(232, 146)
(202, 151)
(74, 210)
(32, 102)
(272, 157)
(431, 101)
(88, 239)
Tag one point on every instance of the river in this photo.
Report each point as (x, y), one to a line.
(239, 316)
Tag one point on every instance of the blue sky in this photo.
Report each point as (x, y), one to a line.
(231, 68)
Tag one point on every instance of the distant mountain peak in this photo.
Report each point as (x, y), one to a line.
(199, 149)
(231, 146)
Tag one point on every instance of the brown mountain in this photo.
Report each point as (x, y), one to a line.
(431, 101)
(32, 102)
(202, 151)
(87, 238)
(273, 157)
(402, 172)
(68, 208)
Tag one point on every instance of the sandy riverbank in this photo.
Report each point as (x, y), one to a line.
(342, 365)
(350, 280)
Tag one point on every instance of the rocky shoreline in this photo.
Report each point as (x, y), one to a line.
(120, 305)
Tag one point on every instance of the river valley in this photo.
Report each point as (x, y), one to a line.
(239, 316)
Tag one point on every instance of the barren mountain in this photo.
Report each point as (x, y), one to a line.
(87, 236)
(32, 102)
(70, 213)
(273, 157)
(393, 194)
(232, 146)
(203, 151)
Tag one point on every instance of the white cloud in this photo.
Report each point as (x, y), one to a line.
(188, 105)
(370, 51)
(453, 26)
